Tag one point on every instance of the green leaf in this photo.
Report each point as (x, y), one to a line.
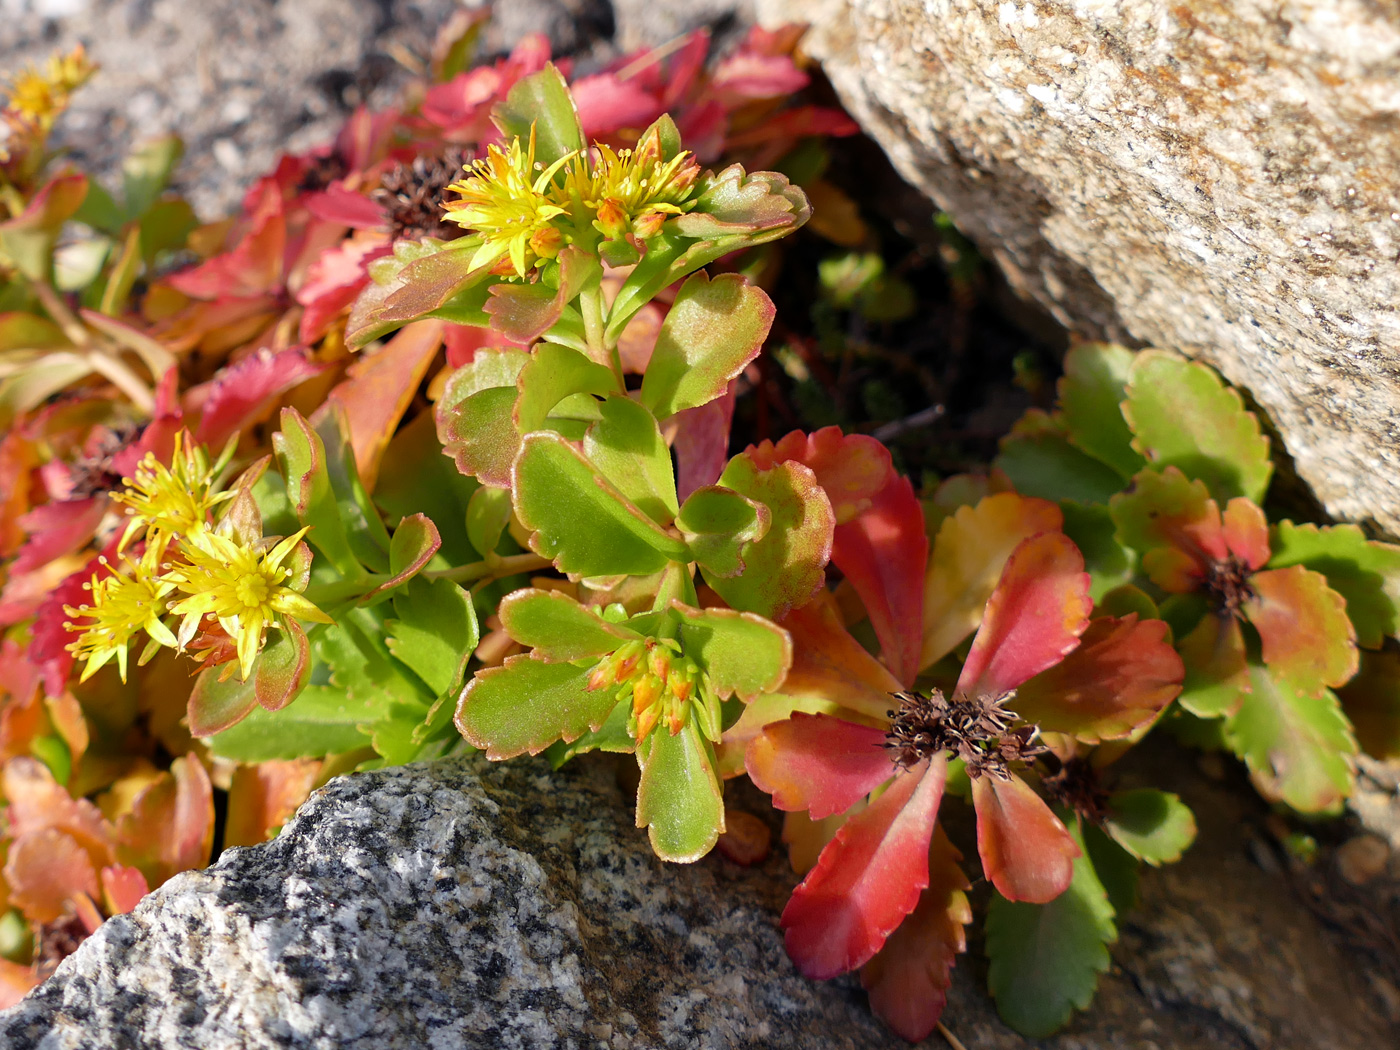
(422, 278)
(415, 476)
(627, 447)
(215, 706)
(524, 312)
(301, 458)
(1121, 601)
(679, 799)
(323, 721)
(580, 519)
(1156, 507)
(557, 627)
(1182, 415)
(712, 331)
(365, 530)
(1049, 467)
(283, 668)
(475, 416)
(146, 172)
(1107, 561)
(1116, 868)
(525, 705)
(1364, 572)
(1046, 958)
(784, 568)
(488, 513)
(1091, 394)
(356, 652)
(1299, 750)
(1154, 826)
(415, 542)
(542, 101)
(395, 736)
(435, 633)
(552, 374)
(717, 525)
(28, 239)
(165, 227)
(743, 654)
(613, 737)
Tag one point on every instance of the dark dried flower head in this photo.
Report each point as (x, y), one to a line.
(1077, 787)
(321, 172)
(977, 729)
(55, 941)
(1227, 583)
(412, 195)
(91, 472)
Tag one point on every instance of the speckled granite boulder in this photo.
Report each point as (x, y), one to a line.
(1215, 175)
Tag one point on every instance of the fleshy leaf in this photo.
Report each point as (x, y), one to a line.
(1299, 749)
(742, 654)
(475, 416)
(1035, 616)
(553, 373)
(525, 705)
(1046, 958)
(1044, 464)
(215, 706)
(817, 763)
(1246, 532)
(541, 102)
(1121, 676)
(867, 879)
(301, 457)
(488, 514)
(524, 312)
(679, 800)
(323, 721)
(426, 281)
(717, 524)
(1026, 852)
(968, 555)
(1364, 572)
(851, 468)
(435, 632)
(243, 393)
(579, 519)
(1303, 626)
(784, 568)
(1108, 562)
(364, 528)
(27, 240)
(413, 545)
(1217, 674)
(828, 663)
(713, 329)
(627, 447)
(263, 797)
(557, 627)
(1091, 394)
(1170, 510)
(908, 980)
(170, 827)
(1182, 415)
(1371, 701)
(1154, 826)
(283, 668)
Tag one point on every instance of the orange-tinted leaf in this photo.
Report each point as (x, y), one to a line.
(37, 801)
(1246, 532)
(170, 827)
(16, 982)
(1035, 616)
(1121, 676)
(1304, 627)
(1217, 674)
(45, 869)
(818, 763)
(969, 552)
(1026, 852)
(883, 552)
(827, 662)
(851, 468)
(283, 667)
(261, 798)
(746, 839)
(122, 888)
(805, 838)
(868, 879)
(524, 312)
(908, 980)
(1168, 509)
(378, 388)
(246, 392)
(701, 443)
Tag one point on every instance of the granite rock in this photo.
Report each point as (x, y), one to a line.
(465, 905)
(1218, 176)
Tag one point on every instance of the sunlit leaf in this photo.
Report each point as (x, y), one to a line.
(1366, 573)
(1047, 466)
(214, 706)
(475, 415)
(541, 102)
(262, 797)
(557, 627)
(1026, 852)
(1303, 625)
(1091, 394)
(679, 800)
(301, 458)
(323, 721)
(550, 375)
(435, 631)
(282, 670)
(1182, 415)
(1169, 510)
(818, 763)
(830, 664)
(524, 312)
(525, 705)
(742, 654)
(627, 447)
(717, 524)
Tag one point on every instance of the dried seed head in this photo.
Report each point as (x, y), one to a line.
(977, 729)
(1227, 584)
(321, 171)
(1077, 787)
(412, 195)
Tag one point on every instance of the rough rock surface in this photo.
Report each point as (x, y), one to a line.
(464, 905)
(1221, 176)
(244, 80)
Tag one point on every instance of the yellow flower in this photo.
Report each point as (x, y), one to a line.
(632, 191)
(242, 587)
(121, 606)
(40, 96)
(172, 501)
(507, 204)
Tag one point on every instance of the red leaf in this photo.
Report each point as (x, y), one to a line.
(1034, 617)
(607, 105)
(746, 76)
(37, 801)
(170, 826)
(1247, 532)
(345, 208)
(850, 468)
(48, 642)
(378, 389)
(884, 553)
(252, 269)
(45, 869)
(908, 981)
(701, 443)
(822, 764)
(122, 888)
(55, 529)
(868, 879)
(1026, 852)
(1121, 676)
(1304, 627)
(827, 662)
(243, 393)
(159, 436)
(333, 281)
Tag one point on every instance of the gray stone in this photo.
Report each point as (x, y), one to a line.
(1220, 177)
(462, 905)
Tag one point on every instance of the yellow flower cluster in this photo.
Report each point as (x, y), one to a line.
(191, 569)
(38, 96)
(524, 215)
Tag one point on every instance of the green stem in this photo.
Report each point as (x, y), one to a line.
(498, 568)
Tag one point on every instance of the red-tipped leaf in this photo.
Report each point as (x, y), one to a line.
(1026, 852)
(818, 763)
